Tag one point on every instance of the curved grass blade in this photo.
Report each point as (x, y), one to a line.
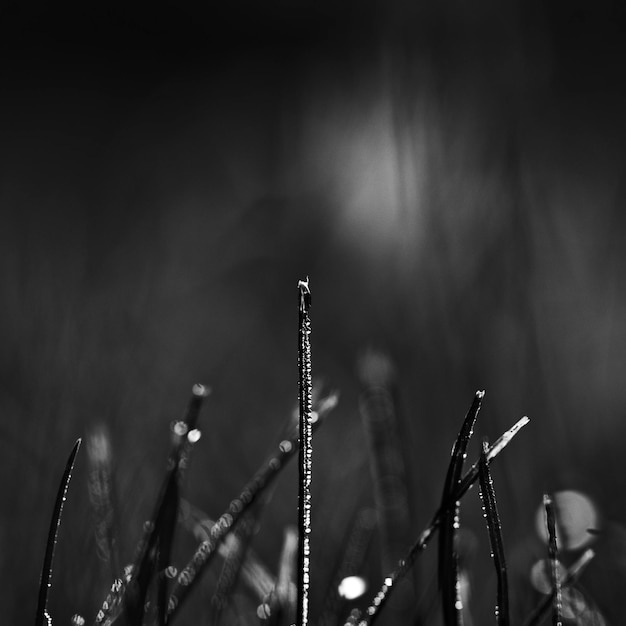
(570, 578)
(42, 617)
(451, 601)
(405, 564)
(554, 562)
(488, 497)
(306, 452)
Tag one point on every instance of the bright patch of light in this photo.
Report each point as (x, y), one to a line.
(352, 587)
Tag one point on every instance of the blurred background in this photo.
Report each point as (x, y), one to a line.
(448, 175)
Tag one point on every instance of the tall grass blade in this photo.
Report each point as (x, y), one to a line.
(548, 504)
(488, 497)
(452, 604)
(404, 566)
(306, 452)
(42, 617)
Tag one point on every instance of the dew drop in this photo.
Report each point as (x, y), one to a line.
(180, 428)
(194, 435)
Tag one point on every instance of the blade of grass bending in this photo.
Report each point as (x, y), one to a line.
(42, 617)
(488, 497)
(570, 578)
(405, 564)
(305, 453)
(554, 562)
(452, 606)
(264, 477)
(160, 530)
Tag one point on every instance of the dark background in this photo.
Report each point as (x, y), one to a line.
(449, 176)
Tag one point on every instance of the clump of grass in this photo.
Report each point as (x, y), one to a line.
(153, 591)
(42, 617)
(255, 488)
(154, 553)
(381, 598)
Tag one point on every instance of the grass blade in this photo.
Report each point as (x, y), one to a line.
(404, 566)
(554, 562)
(306, 452)
(42, 617)
(449, 521)
(488, 497)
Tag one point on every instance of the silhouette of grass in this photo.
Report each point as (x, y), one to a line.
(45, 583)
